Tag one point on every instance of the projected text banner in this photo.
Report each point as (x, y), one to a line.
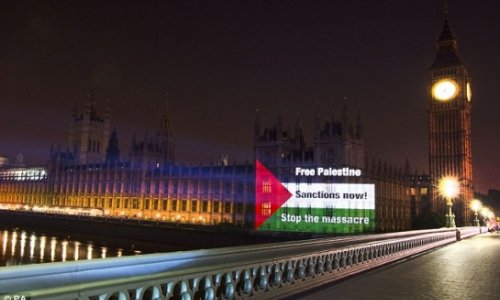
(313, 207)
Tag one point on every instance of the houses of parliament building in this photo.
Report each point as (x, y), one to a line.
(92, 175)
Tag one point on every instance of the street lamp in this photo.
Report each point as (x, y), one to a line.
(476, 206)
(449, 188)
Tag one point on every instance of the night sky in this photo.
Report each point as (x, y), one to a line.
(221, 60)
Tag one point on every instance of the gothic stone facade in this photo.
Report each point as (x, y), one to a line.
(151, 185)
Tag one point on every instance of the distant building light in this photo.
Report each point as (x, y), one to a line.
(23, 174)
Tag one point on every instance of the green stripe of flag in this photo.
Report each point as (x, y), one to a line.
(321, 220)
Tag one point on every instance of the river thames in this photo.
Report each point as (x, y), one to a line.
(21, 246)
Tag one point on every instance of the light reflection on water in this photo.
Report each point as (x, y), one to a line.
(21, 247)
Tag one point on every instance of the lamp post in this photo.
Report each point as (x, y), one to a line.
(476, 206)
(449, 188)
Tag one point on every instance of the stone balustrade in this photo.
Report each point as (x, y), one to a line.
(268, 271)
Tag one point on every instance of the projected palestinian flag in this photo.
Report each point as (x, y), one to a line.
(270, 194)
(312, 207)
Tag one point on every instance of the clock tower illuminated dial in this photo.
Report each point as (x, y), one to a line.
(444, 90)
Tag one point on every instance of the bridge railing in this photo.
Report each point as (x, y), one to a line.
(266, 271)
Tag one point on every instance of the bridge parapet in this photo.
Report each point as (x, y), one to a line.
(267, 271)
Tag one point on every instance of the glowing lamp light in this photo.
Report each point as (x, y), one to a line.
(449, 187)
(475, 205)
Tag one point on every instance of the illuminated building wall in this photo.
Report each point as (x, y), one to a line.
(147, 185)
(188, 194)
(337, 143)
(207, 195)
(204, 194)
(151, 185)
(23, 185)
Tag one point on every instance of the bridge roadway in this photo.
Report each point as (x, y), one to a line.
(269, 271)
(468, 269)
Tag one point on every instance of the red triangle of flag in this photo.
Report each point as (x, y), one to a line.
(270, 194)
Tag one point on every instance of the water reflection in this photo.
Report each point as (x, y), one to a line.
(89, 251)
(23, 243)
(58, 249)
(14, 242)
(43, 239)
(53, 244)
(77, 250)
(64, 250)
(32, 246)
(4, 242)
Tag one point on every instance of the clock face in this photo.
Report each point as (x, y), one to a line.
(469, 92)
(444, 90)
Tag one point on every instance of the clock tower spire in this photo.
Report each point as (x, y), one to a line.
(449, 116)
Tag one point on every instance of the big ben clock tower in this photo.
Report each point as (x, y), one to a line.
(449, 111)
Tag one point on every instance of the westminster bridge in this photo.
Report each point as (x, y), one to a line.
(265, 271)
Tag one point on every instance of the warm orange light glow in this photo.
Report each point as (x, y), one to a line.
(476, 205)
(444, 90)
(449, 187)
